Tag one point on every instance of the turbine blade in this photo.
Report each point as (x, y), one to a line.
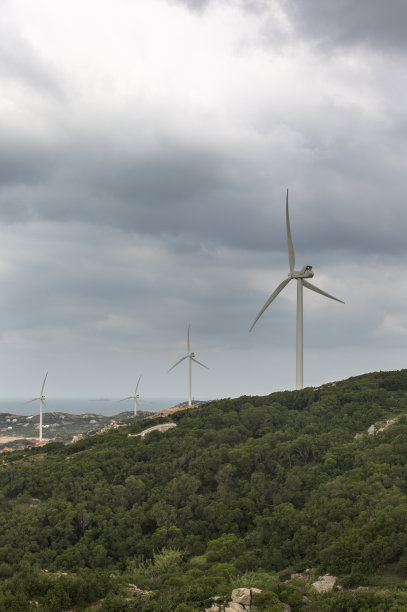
(199, 363)
(271, 298)
(317, 290)
(34, 399)
(46, 406)
(126, 398)
(43, 384)
(291, 255)
(188, 346)
(179, 361)
(138, 382)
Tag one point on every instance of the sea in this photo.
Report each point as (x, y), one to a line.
(102, 405)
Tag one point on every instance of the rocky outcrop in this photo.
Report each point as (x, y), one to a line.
(241, 600)
(215, 607)
(376, 427)
(388, 423)
(324, 584)
(302, 576)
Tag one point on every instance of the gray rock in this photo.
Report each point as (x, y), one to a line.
(324, 584)
(233, 606)
(241, 601)
(242, 596)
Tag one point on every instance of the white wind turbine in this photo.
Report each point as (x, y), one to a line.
(134, 397)
(191, 358)
(299, 276)
(41, 399)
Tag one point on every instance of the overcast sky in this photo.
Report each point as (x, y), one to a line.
(145, 150)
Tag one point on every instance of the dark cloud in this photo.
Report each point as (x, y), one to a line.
(194, 198)
(379, 25)
(136, 205)
(196, 195)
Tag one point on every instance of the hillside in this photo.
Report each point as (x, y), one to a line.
(21, 431)
(242, 493)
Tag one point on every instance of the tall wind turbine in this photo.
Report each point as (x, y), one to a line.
(134, 397)
(299, 276)
(41, 399)
(191, 358)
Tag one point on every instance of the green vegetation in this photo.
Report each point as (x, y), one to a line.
(243, 492)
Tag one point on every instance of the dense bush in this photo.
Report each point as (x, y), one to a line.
(252, 486)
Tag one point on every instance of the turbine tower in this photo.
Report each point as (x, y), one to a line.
(41, 399)
(299, 276)
(135, 397)
(191, 358)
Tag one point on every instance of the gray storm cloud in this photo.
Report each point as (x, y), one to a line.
(342, 23)
(142, 188)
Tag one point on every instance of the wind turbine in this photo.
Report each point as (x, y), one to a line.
(41, 399)
(299, 276)
(191, 357)
(135, 397)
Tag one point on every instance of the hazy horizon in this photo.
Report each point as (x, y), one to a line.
(103, 406)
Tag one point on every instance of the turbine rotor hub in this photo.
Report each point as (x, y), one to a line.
(305, 272)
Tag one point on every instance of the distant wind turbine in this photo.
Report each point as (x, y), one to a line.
(134, 397)
(41, 399)
(299, 276)
(191, 357)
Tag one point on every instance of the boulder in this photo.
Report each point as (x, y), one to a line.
(242, 596)
(215, 607)
(324, 584)
(232, 606)
(388, 423)
(241, 601)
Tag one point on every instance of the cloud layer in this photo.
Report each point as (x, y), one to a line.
(145, 151)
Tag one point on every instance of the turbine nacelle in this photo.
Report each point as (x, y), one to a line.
(305, 272)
